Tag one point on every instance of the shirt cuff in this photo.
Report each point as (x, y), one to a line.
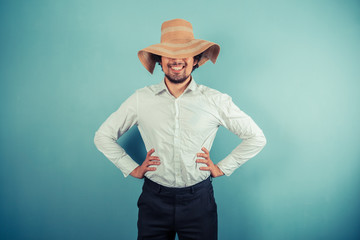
(227, 166)
(127, 165)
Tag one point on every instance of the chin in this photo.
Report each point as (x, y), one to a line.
(177, 80)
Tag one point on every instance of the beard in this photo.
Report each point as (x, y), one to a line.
(177, 79)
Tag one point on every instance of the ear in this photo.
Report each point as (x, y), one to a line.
(195, 62)
(161, 59)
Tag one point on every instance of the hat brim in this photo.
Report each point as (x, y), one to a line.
(209, 50)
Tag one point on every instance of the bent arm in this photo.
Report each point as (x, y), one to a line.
(253, 139)
(112, 129)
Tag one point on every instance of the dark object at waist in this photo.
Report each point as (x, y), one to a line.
(191, 189)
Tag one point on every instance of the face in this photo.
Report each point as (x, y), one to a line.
(177, 70)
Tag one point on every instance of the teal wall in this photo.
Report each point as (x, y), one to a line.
(292, 65)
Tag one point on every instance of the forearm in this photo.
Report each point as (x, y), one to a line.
(246, 150)
(112, 129)
(115, 153)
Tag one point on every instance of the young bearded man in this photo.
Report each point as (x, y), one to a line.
(178, 120)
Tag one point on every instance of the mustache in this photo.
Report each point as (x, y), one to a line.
(177, 64)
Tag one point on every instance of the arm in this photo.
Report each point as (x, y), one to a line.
(238, 122)
(147, 165)
(112, 129)
(215, 171)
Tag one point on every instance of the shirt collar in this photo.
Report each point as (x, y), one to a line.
(159, 88)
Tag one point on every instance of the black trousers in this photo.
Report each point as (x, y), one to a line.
(190, 212)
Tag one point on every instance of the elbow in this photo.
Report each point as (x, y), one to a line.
(102, 140)
(261, 140)
(264, 141)
(97, 139)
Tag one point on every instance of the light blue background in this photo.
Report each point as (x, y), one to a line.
(291, 65)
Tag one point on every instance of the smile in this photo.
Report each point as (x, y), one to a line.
(177, 68)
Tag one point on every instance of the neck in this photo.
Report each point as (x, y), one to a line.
(176, 89)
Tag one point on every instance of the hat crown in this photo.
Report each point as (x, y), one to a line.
(176, 30)
(177, 41)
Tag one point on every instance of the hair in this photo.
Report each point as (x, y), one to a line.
(197, 58)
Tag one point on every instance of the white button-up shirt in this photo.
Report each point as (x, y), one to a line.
(177, 128)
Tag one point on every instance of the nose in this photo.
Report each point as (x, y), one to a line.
(176, 60)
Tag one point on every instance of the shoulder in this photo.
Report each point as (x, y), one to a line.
(151, 89)
(212, 94)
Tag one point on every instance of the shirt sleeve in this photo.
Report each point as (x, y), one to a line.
(238, 122)
(112, 129)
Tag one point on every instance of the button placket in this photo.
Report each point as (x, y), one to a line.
(177, 142)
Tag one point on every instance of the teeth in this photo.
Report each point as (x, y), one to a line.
(177, 68)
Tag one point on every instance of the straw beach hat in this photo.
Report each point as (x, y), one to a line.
(177, 41)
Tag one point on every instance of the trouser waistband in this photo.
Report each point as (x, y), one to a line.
(194, 188)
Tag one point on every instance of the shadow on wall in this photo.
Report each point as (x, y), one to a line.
(133, 144)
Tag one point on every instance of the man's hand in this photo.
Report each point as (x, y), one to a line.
(214, 170)
(140, 171)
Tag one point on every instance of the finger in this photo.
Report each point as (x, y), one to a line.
(205, 150)
(205, 168)
(151, 158)
(202, 155)
(150, 168)
(149, 163)
(202, 161)
(151, 151)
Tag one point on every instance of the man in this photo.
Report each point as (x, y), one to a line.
(178, 120)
